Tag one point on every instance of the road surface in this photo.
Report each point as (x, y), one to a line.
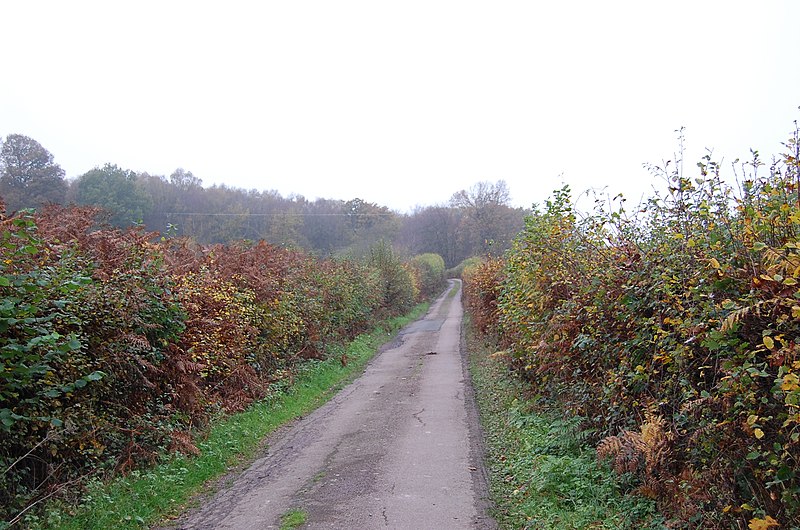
(398, 448)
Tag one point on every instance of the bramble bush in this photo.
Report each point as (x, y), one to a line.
(673, 331)
(118, 346)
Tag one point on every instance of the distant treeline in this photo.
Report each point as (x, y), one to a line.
(475, 221)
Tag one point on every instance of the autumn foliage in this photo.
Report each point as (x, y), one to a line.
(674, 331)
(117, 346)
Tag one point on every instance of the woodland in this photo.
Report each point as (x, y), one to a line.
(473, 222)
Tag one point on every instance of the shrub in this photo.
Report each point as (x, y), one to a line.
(117, 345)
(458, 270)
(397, 286)
(674, 330)
(429, 270)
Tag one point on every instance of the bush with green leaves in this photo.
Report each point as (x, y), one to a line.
(674, 330)
(81, 345)
(396, 281)
(40, 366)
(117, 346)
(429, 269)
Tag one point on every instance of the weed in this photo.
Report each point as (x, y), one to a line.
(293, 519)
(543, 473)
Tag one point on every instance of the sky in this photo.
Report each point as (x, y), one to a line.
(401, 103)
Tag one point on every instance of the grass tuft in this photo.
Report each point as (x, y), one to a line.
(293, 519)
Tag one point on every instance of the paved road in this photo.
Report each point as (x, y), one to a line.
(397, 448)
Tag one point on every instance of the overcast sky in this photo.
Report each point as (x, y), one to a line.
(399, 103)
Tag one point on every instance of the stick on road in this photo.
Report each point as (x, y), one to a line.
(397, 448)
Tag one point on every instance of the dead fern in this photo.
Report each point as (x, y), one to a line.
(757, 310)
(646, 454)
(781, 262)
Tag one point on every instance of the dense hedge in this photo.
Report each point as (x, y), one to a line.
(115, 346)
(675, 331)
(429, 273)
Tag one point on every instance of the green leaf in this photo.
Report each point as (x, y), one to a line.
(95, 376)
(74, 343)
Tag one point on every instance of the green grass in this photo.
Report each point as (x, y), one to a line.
(293, 519)
(146, 497)
(543, 473)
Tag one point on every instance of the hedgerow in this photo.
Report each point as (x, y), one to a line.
(429, 273)
(117, 346)
(673, 331)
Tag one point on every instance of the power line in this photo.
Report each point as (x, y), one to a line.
(276, 214)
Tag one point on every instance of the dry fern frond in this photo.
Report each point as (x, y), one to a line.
(696, 405)
(137, 341)
(780, 261)
(647, 452)
(626, 451)
(181, 442)
(737, 316)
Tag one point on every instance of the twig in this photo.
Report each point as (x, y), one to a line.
(23, 457)
(18, 517)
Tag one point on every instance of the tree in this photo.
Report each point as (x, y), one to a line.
(430, 273)
(28, 175)
(368, 223)
(117, 191)
(185, 179)
(434, 229)
(326, 226)
(397, 285)
(489, 222)
(482, 195)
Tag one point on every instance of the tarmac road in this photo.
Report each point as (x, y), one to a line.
(398, 448)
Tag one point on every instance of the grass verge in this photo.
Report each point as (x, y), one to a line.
(145, 497)
(543, 473)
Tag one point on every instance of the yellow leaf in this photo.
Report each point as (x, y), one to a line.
(768, 342)
(762, 524)
(790, 383)
(752, 419)
(714, 263)
(758, 433)
(789, 281)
